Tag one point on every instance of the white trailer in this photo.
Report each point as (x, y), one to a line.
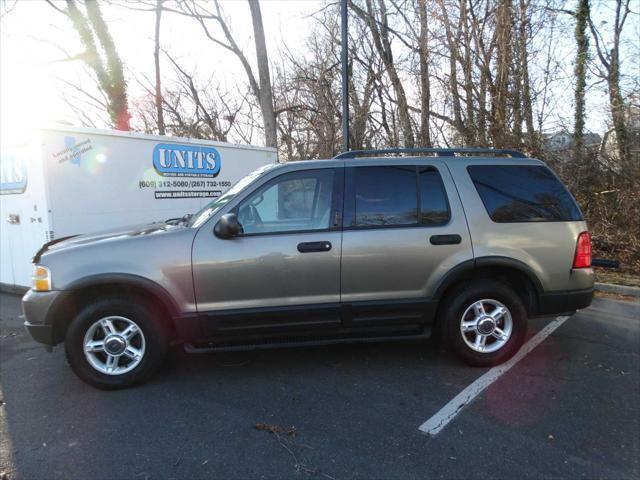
(69, 180)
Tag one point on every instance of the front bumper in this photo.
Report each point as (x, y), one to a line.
(40, 333)
(39, 310)
(555, 303)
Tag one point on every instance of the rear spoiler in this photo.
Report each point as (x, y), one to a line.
(46, 246)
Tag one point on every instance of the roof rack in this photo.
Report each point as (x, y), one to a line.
(440, 152)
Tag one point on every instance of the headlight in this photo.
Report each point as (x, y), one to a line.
(41, 279)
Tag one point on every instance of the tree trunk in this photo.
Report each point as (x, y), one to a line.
(582, 46)
(615, 94)
(265, 92)
(516, 96)
(482, 108)
(454, 91)
(117, 90)
(467, 67)
(610, 60)
(617, 111)
(425, 88)
(527, 103)
(110, 77)
(156, 57)
(503, 61)
(517, 85)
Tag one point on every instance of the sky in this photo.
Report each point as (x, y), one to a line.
(35, 41)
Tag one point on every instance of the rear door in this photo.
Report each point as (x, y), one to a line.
(404, 228)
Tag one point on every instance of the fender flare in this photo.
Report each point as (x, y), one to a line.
(456, 272)
(127, 279)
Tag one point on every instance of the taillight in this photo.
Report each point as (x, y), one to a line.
(582, 258)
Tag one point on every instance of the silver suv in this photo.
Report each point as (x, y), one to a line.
(369, 246)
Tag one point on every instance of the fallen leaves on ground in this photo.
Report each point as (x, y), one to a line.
(615, 296)
(276, 429)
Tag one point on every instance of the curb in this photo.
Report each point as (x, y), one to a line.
(619, 289)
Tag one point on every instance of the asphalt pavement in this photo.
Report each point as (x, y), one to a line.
(570, 408)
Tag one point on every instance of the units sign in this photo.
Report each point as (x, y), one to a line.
(172, 160)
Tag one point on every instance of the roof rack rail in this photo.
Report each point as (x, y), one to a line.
(440, 152)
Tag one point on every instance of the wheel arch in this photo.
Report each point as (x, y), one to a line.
(82, 291)
(514, 273)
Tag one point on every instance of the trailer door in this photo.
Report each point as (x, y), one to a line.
(24, 217)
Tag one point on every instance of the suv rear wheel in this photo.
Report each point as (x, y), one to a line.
(485, 322)
(115, 343)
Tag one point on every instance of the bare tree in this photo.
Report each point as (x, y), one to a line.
(375, 15)
(609, 70)
(264, 91)
(260, 85)
(307, 98)
(197, 109)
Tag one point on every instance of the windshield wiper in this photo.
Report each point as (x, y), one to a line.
(183, 220)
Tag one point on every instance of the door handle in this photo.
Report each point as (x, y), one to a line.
(454, 239)
(306, 247)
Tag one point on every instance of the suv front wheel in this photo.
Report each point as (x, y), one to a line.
(485, 322)
(115, 343)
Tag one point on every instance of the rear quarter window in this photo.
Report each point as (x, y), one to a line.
(523, 193)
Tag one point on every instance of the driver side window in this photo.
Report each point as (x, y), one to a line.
(296, 201)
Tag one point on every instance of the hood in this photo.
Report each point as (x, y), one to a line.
(110, 235)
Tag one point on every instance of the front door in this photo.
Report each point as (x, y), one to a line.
(283, 271)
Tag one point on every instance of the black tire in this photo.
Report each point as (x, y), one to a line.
(148, 321)
(461, 298)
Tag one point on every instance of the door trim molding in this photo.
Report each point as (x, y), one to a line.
(291, 318)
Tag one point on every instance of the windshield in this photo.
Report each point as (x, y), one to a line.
(212, 207)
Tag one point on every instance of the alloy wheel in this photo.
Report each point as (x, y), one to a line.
(114, 345)
(486, 325)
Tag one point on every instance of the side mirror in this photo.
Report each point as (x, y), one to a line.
(227, 227)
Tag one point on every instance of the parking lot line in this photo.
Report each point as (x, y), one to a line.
(435, 424)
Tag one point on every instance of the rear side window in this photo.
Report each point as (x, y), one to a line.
(434, 208)
(523, 193)
(385, 196)
(395, 196)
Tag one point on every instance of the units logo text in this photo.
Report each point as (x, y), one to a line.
(171, 160)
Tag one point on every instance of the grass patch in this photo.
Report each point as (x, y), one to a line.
(617, 278)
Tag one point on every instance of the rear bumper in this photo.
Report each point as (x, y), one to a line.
(568, 301)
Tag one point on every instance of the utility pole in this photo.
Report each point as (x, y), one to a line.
(344, 40)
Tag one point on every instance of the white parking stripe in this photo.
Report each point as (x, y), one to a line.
(447, 413)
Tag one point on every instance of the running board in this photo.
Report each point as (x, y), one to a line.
(295, 343)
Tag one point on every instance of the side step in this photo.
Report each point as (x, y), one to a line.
(297, 342)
